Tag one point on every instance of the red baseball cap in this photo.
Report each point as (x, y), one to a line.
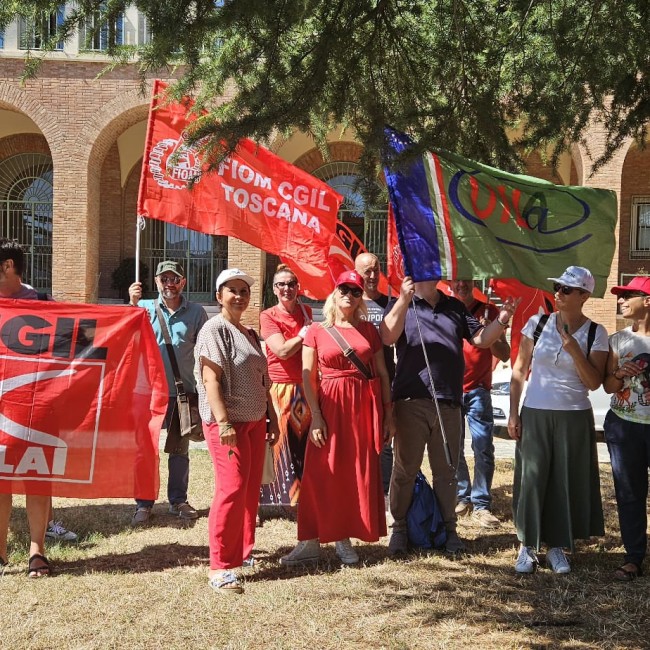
(638, 283)
(350, 277)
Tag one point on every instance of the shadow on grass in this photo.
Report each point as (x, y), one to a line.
(105, 520)
(150, 559)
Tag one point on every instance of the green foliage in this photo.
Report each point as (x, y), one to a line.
(465, 75)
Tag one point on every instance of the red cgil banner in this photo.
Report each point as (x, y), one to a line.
(82, 397)
(254, 195)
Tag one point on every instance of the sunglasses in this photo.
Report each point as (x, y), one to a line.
(346, 289)
(626, 295)
(567, 291)
(169, 279)
(292, 284)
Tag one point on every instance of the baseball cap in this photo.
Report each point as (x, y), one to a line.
(233, 274)
(173, 267)
(351, 278)
(638, 283)
(577, 276)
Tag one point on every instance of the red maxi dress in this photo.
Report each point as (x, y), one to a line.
(341, 494)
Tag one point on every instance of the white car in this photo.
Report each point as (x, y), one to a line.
(600, 400)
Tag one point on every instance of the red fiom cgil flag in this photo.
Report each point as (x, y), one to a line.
(254, 196)
(82, 397)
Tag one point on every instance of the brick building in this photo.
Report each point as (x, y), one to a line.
(71, 147)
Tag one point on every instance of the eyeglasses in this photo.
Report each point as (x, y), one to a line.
(626, 295)
(567, 291)
(292, 284)
(346, 289)
(169, 279)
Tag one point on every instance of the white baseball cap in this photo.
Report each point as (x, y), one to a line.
(577, 276)
(233, 274)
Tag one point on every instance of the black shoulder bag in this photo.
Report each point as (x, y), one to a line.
(188, 403)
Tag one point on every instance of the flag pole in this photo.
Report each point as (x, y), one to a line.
(139, 227)
(443, 433)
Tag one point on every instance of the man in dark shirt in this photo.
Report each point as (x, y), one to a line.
(367, 266)
(440, 324)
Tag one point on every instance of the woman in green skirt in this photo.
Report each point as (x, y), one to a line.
(556, 493)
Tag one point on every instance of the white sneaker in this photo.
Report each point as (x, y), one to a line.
(527, 561)
(346, 552)
(56, 530)
(557, 561)
(306, 551)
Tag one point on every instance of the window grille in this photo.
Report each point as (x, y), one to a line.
(640, 228)
(96, 36)
(202, 256)
(26, 194)
(33, 33)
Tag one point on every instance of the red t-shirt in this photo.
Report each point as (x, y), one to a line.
(277, 321)
(478, 361)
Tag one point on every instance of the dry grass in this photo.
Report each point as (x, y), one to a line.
(146, 588)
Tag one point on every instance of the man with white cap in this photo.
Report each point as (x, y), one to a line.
(183, 320)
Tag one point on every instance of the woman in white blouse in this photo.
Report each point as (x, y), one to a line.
(233, 383)
(556, 490)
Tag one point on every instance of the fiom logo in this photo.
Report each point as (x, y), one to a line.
(174, 164)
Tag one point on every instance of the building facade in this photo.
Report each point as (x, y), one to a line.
(71, 144)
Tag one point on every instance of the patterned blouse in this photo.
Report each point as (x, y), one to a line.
(245, 374)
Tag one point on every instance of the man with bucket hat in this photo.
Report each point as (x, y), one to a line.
(627, 430)
(183, 320)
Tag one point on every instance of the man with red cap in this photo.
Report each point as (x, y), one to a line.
(626, 426)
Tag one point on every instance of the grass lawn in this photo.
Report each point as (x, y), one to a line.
(146, 588)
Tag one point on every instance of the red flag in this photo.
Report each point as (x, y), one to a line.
(394, 259)
(254, 196)
(533, 301)
(83, 394)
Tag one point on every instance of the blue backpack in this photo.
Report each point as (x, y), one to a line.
(424, 522)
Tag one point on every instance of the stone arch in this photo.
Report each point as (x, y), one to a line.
(338, 151)
(18, 143)
(16, 99)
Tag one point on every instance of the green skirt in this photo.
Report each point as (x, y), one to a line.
(556, 491)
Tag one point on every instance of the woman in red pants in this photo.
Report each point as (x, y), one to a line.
(233, 387)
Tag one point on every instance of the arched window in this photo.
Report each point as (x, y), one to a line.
(203, 257)
(26, 195)
(367, 222)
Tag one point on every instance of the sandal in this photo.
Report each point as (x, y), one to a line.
(625, 574)
(3, 565)
(226, 583)
(39, 567)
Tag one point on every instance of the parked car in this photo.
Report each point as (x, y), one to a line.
(599, 399)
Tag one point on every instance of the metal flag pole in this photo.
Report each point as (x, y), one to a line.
(139, 227)
(443, 433)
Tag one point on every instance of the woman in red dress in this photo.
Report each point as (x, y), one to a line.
(341, 493)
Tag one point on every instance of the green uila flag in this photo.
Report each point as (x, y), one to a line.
(457, 218)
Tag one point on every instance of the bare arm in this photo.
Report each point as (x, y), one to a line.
(382, 373)
(211, 375)
(491, 333)
(614, 378)
(392, 326)
(318, 429)
(284, 348)
(501, 348)
(590, 369)
(519, 374)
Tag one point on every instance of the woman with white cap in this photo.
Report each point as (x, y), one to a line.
(348, 392)
(233, 384)
(556, 491)
(627, 424)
